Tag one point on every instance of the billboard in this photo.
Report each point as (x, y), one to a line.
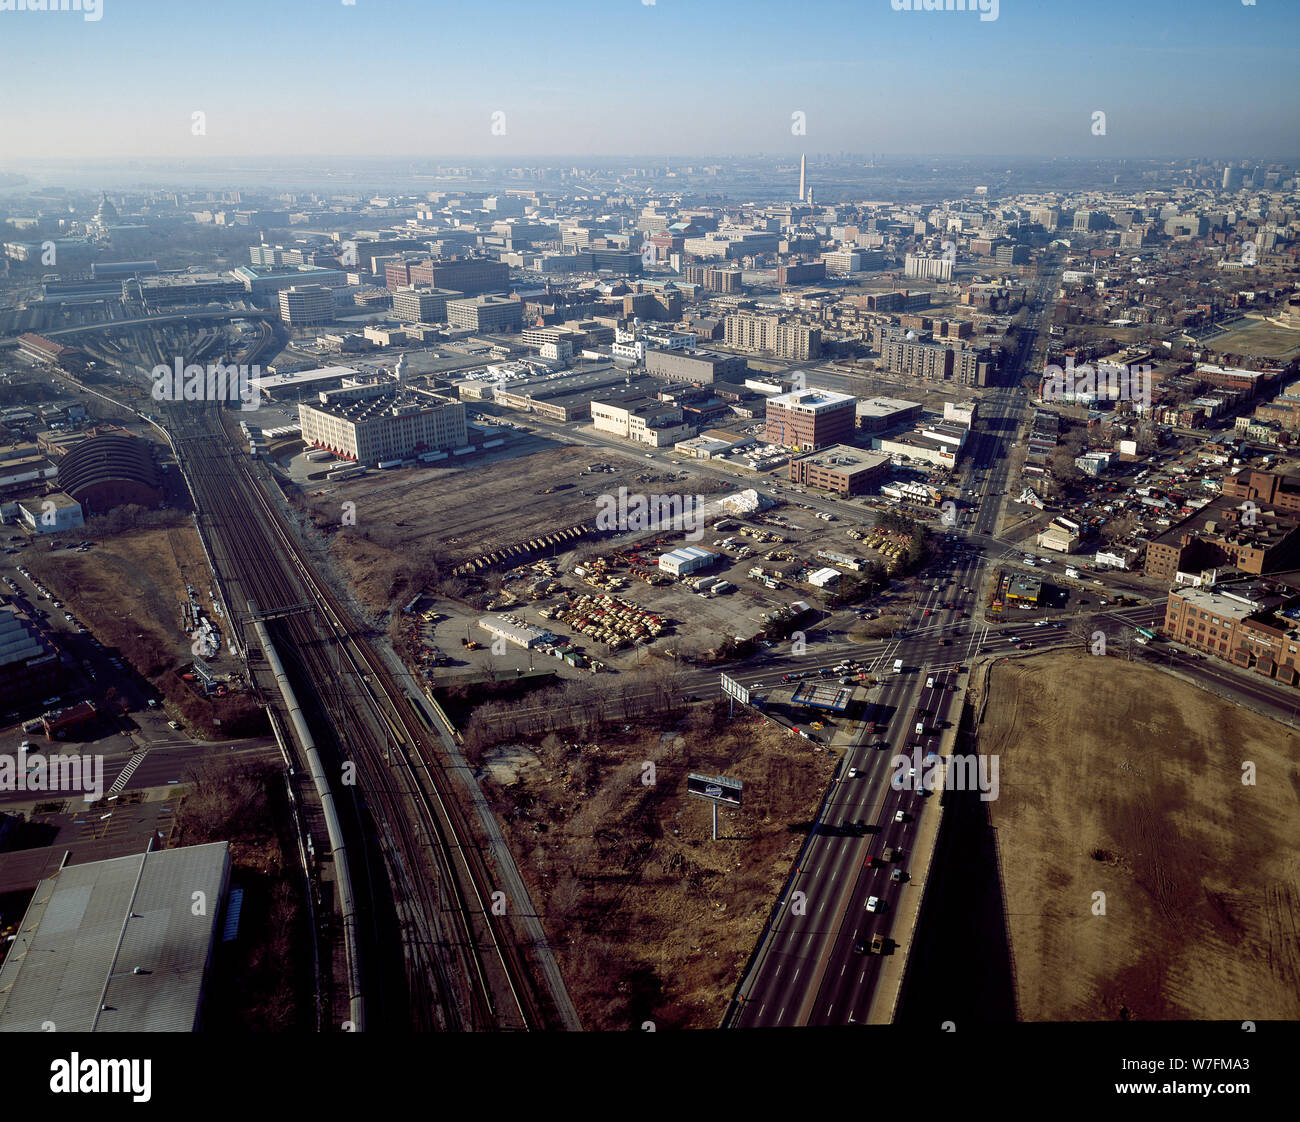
(732, 688)
(715, 788)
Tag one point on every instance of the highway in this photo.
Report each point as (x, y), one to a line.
(813, 964)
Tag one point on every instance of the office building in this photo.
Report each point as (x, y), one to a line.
(423, 305)
(842, 469)
(810, 419)
(486, 313)
(306, 304)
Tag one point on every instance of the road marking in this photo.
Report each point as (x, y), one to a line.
(126, 773)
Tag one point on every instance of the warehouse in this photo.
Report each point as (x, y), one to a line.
(514, 630)
(118, 945)
(825, 578)
(390, 425)
(688, 559)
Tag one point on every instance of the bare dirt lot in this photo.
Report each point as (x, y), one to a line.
(1120, 780)
(651, 919)
(127, 591)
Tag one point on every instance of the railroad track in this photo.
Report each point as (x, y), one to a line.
(464, 968)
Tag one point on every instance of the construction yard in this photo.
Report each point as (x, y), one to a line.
(651, 919)
(1143, 879)
(417, 530)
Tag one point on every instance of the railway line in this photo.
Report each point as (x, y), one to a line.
(426, 887)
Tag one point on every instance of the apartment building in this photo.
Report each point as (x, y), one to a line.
(928, 268)
(796, 342)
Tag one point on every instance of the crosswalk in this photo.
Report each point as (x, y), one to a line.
(126, 773)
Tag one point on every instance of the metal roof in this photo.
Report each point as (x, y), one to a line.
(89, 927)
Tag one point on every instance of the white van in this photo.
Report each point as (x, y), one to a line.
(898, 666)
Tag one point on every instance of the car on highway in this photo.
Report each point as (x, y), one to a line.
(1024, 646)
(875, 904)
(900, 816)
(853, 773)
(897, 876)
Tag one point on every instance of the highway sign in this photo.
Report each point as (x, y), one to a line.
(732, 688)
(714, 788)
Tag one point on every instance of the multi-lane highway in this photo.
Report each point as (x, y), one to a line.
(814, 964)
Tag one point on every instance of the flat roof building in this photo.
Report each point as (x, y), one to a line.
(388, 426)
(486, 313)
(118, 945)
(810, 418)
(842, 469)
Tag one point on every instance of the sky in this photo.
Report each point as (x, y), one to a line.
(436, 78)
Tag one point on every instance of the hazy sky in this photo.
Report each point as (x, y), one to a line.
(684, 77)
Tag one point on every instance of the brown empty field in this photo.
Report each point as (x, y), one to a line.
(128, 589)
(650, 918)
(1117, 779)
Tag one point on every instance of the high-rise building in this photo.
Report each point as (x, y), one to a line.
(306, 304)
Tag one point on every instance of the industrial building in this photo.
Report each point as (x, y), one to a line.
(825, 578)
(111, 470)
(118, 945)
(687, 560)
(51, 514)
(842, 469)
(638, 417)
(514, 630)
(704, 367)
(810, 418)
(29, 664)
(390, 425)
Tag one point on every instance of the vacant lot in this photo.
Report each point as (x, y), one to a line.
(1264, 340)
(651, 919)
(1119, 780)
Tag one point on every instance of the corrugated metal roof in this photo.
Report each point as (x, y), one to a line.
(90, 926)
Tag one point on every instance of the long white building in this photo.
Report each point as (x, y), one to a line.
(387, 426)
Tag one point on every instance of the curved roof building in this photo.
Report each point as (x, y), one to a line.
(109, 471)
